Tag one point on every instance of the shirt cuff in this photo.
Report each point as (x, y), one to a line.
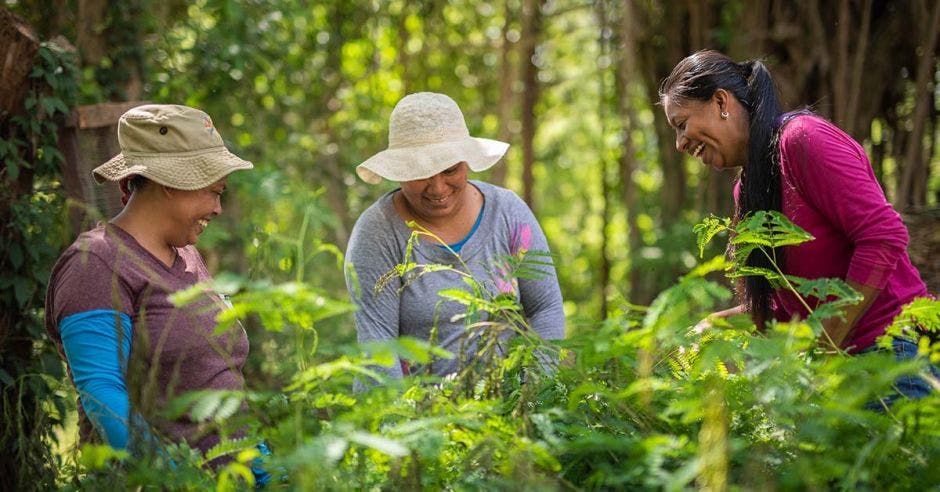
(870, 275)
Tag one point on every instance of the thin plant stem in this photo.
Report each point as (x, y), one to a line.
(798, 296)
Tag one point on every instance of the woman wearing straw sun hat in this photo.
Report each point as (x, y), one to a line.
(470, 225)
(108, 306)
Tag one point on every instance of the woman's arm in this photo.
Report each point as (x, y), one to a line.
(832, 173)
(739, 309)
(97, 345)
(706, 322)
(838, 329)
(368, 258)
(540, 296)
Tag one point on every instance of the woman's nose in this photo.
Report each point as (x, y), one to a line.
(681, 142)
(436, 184)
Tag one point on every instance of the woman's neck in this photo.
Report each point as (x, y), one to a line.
(146, 231)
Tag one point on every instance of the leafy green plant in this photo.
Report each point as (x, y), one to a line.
(31, 211)
(641, 401)
(763, 232)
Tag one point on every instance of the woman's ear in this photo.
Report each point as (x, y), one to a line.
(723, 99)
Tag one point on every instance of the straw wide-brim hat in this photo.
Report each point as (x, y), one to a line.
(426, 135)
(176, 146)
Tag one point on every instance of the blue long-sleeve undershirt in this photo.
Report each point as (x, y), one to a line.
(97, 353)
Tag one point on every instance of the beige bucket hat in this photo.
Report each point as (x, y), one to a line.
(176, 146)
(426, 135)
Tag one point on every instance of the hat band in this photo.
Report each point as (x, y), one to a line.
(442, 135)
(173, 154)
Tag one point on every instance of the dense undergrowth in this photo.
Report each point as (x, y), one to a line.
(640, 401)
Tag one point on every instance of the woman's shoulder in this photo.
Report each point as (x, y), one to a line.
(89, 258)
(379, 212)
(501, 199)
(96, 242)
(805, 126)
(808, 137)
(376, 224)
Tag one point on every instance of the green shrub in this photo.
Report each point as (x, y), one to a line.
(640, 401)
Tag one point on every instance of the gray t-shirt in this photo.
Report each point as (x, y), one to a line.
(379, 241)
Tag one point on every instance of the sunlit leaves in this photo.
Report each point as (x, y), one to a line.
(919, 321)
(278, 306)
(765, 230)
(707, 229)
(96, 457)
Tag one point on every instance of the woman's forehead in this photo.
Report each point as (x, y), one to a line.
(676, 106)
(673, 107)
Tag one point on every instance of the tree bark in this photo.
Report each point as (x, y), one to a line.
(657, 57)
(628, 193)
(857, 69)
(603, 45)
(404, 59)
(90, 40)
(507, 77)
(532, 16)
(912, 191)
(18, 47)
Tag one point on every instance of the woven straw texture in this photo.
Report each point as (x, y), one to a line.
(176, 146)
(427, 134)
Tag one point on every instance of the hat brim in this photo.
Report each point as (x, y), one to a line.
(421, 162)
(183, 171)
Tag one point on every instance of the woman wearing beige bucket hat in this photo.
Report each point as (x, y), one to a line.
(108, 305)
(430, 152)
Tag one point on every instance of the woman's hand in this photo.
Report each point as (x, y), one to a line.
(837, 329)
(706, 322)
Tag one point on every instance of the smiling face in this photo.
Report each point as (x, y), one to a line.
(439, 196)
(189, 212)
(702, 132)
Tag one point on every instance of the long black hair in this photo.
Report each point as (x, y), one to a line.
(697, 77)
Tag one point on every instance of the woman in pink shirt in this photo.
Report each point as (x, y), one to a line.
(727, 114)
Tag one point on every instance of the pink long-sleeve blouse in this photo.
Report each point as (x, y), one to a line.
(830, 190)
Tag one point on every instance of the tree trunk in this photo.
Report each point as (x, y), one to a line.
(332, 172)
(532, 16)
(507, 77)
(857, 70)
(404, 59)
(18, 47)
(626, 70)
(701, 23)
(603, 46)
(752, 37)
(658, 66)
(839, 80)
(912, 191)
(90, 39)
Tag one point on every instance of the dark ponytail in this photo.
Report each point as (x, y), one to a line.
(760, 179)
(697, 77)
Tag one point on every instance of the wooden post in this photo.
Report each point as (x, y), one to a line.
(88, 139)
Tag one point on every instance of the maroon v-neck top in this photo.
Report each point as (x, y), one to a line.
(173, 349)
